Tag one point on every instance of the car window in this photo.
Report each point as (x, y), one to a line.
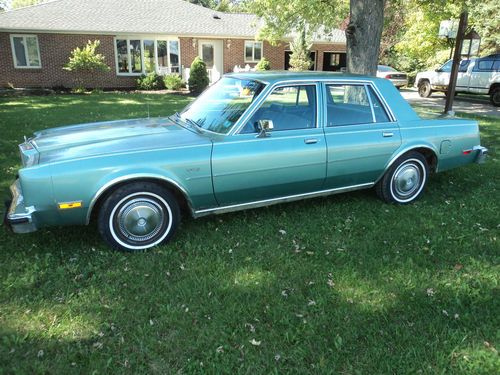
(378, 108)
(485, 65)
(496, 65)
(446, 67)
(289, 108)
(348, 105)
(385, 68)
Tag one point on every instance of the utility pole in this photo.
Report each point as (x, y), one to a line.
(462, 26)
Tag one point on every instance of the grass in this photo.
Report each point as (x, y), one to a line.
(344, 284)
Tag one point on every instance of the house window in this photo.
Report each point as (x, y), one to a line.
(253, 51)
(25, 51)
(142, 56)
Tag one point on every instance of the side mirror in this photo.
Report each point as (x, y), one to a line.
(438, 70)
(263, 126)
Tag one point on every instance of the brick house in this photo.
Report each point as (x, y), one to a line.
(137, 37)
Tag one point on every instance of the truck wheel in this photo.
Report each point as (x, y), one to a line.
(495, 96)
(138, 216)
(424, 89)
(405, 180)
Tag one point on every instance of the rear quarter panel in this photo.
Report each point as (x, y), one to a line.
(448, 138)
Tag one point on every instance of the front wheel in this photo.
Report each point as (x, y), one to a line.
(138, 216)
(424, 89)
(495, 97)
(405, 180)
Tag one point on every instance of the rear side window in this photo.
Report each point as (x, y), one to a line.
(496, 65)
(350, 105)
(485, 65)
(378, 109)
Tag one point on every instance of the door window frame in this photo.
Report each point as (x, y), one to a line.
(264, 95)
(366, 84)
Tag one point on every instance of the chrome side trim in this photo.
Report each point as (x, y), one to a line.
(413, 147)
(130, 177)
(269, 202)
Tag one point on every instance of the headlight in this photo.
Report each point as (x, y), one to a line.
(29, 155)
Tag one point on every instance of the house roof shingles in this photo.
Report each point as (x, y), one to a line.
(171, 17)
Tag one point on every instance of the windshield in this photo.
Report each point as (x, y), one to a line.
(385, 68)
(220, 106)
(446, 67)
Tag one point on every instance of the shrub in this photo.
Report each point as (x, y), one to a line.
(173, 81)
(87, 59)
(150, 81)
(198, 76)
(79, 90)
(264, 64)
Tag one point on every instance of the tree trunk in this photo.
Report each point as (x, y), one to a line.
(363, 36)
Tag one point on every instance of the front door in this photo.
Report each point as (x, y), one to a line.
(289, 159)
(211, 52)
(360, 135)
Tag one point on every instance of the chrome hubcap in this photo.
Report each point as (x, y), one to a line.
(140, 219)
(407, 180)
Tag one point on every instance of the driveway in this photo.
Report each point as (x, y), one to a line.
(468, 104)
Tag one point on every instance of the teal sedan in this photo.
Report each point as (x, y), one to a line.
(250, 140)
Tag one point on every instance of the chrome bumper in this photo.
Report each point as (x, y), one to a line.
(482, 152)
(19, 217)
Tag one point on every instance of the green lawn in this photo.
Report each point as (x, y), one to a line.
(344, 284)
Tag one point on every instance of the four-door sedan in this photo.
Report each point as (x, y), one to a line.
(250, 140)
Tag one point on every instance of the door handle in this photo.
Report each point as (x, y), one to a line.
(387, 134)
(310, 141)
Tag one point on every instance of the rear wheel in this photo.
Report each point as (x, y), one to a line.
(405, 180)
(138, 216)
(495, 96)
(424, 89)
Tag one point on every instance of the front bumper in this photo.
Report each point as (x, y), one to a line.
(19, 217)
(482, 152)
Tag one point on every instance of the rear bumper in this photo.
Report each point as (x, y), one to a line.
(482, 152)
(19, 217)
(398, 82)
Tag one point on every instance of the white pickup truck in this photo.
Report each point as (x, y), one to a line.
(477, 76)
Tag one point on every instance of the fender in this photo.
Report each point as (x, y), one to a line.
(404, 150)
(131, 177)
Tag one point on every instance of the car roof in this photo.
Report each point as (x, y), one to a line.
(273, 76)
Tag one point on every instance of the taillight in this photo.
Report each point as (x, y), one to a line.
(388, 76)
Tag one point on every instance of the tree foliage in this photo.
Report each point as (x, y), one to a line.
(280, 17)
(24, 3)
(87, 59)
(415, 44)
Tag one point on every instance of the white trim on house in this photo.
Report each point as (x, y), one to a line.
(25, 45)
(142, 38)
(253, 60)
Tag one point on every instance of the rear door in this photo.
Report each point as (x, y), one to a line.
(361, 135)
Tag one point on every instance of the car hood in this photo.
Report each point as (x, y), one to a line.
(80, 141)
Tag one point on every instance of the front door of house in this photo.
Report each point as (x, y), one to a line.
(210, 52)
